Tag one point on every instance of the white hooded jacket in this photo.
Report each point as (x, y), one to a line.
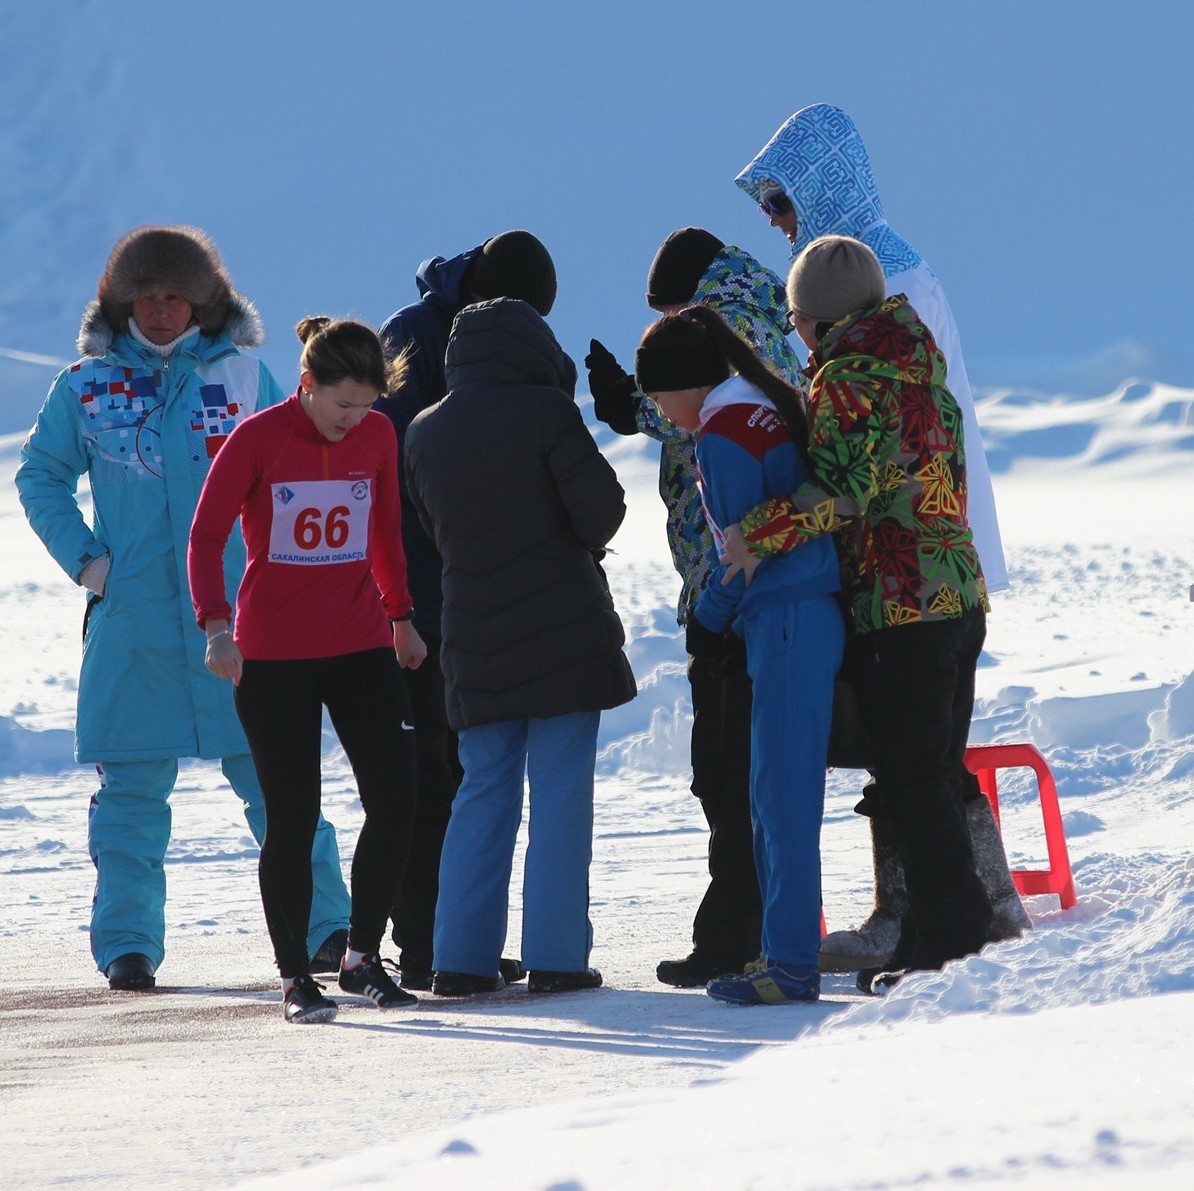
(818, 157)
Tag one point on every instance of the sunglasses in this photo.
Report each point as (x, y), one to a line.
(776, 204)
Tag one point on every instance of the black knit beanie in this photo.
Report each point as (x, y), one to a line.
(513, 265)
(678, 354)
(682, 260)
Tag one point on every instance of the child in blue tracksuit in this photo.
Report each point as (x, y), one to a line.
(751, 436)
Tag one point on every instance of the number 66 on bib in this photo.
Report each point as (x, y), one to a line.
(320, 522)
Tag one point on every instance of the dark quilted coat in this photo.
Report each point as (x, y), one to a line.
(520, 502)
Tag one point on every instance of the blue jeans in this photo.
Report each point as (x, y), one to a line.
(793, 653)
(557, 756)
(128, 831)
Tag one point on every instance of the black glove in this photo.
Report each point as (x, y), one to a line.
(615, 395)
(702, 642)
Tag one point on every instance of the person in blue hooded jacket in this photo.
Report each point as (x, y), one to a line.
(814, 178)
(161, 384)
(514, 264)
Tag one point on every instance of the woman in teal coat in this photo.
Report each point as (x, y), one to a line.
(161, 383)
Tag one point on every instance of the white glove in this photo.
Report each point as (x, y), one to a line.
(95, 574)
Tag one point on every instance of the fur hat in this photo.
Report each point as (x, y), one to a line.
(677, 353)
(181, 260)
(682, 260)
(834, 276)
(513, 265)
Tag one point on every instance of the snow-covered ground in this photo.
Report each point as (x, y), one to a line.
(1059, 1060)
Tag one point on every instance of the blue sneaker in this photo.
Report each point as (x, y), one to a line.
(766, 985)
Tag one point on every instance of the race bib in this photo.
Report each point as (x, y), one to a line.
(320, 522)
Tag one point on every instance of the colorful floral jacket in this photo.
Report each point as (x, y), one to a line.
(889, 474)
(750, 297)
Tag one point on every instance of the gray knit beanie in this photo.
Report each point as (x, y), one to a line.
(834, 276)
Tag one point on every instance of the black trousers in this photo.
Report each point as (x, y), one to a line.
(729, 921)
(916, 695)
(280, 704)
(438, 776)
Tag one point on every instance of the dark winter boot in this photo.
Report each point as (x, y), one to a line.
(131, 973)
(696, 969)
(1010, 920)
(951, 913)
(871, 944)
(950, 918)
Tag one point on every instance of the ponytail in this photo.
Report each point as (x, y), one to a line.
(743, 359)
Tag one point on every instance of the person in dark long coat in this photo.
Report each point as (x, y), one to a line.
(521, 505)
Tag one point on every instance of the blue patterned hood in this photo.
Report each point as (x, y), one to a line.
(819, 159)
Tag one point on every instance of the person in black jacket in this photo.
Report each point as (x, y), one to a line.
(521, 504)
(513, 264)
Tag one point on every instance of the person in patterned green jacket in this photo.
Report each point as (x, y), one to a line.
(694, 266)
(889, 479)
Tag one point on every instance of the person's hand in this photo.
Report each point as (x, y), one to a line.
(94, 575)
(223, 657)
(615, 395)
(408, 645)
(736, 557)
(702, 642)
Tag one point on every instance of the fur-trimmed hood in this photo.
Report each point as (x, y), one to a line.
(243, 326)
(180, 260)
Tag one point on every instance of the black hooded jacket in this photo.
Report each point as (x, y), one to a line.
(520, 502)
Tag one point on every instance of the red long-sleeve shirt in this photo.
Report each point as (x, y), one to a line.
(322, 527)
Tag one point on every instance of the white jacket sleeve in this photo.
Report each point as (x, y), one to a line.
(924, 291)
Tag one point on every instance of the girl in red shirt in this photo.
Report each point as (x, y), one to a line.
(322, 620)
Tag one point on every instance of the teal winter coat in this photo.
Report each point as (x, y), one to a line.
(144, 431)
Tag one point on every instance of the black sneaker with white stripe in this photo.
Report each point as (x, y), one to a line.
(370, 979)
(305, 1003)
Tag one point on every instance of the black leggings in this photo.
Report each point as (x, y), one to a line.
(439, 776)
(280, 704)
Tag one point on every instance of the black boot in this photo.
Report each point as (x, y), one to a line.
(131, 973)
